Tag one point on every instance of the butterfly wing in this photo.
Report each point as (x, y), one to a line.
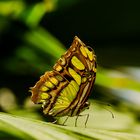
(65, 90)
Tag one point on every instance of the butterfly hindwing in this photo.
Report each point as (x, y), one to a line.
(47, 89)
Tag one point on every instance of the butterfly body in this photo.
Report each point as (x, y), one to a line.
(64, 91)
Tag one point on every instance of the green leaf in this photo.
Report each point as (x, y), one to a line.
(122, 83)
(44, 41)
(40, 130)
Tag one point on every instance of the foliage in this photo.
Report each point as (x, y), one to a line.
(97, 128)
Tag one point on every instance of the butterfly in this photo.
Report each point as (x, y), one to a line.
(65, 90)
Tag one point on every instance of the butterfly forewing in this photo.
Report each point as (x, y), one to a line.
(65, 90)
(78, 64)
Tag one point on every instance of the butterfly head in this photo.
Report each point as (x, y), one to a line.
(84, 107)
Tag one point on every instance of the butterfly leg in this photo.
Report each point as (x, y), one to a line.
(76, 120)
(65, 120)
(86, 120)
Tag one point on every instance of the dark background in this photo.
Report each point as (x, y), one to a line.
(111, 27)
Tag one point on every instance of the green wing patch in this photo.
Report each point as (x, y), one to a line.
(67, 95)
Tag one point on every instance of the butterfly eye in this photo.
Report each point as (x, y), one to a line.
(87, 104)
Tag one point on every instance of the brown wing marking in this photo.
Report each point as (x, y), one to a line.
(52, 93)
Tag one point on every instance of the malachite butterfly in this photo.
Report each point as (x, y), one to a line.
(64, 91)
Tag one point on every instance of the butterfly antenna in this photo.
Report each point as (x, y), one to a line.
(103, 103)
(110, 112)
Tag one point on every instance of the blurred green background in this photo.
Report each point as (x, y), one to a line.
(35, 33)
